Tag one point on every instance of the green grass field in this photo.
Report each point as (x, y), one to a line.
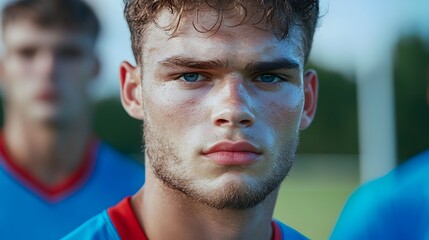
(314, 193)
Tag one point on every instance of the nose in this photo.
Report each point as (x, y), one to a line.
(46, 64)
(233, 107)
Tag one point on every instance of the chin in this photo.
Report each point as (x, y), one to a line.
(236, 178)
(234, 191)
(236, 196)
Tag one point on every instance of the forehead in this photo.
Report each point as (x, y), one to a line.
(25, 32)
(230, 38)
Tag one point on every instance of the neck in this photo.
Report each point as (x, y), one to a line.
(48, 153)
(165, 213)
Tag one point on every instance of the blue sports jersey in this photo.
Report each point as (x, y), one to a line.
(395, 206)
(30, 210)
(120, 222)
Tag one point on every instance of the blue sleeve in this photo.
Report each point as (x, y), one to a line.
(359, 212)
(392, 207)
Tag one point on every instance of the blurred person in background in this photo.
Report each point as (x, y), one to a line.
(395, 206)
(54, 173)
(221, 89)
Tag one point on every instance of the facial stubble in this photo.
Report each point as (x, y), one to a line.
(167, 167)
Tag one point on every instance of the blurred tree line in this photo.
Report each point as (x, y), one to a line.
(335, 128)
(411, 73)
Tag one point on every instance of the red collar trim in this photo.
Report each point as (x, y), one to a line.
(125, 221)
(59, 191)
(277, 232)
(128, 227)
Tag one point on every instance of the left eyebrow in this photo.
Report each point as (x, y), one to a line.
(276, 64)
(179, 61)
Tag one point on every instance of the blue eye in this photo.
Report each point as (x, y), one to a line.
(269, 78)
(191, 77)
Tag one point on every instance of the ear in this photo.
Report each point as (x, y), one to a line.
(130, 85)
(311, 89)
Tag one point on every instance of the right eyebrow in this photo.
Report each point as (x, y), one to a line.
(178, 61)
(282, 63)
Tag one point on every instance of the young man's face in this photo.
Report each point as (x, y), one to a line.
(45, 72)
(222, 112)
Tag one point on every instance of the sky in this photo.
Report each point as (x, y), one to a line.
(350, 33)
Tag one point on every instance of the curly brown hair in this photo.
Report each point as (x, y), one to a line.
(278, 15)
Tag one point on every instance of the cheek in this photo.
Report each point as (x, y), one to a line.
(282, 119)
(20, 85)
(284, 111)
(174, 110)
(15, 70)
(176, 116)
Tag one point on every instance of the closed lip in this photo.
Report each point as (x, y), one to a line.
(242, 146)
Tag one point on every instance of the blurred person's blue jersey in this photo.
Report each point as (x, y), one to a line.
(395, 206)
(120, 222)
(30, 210)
